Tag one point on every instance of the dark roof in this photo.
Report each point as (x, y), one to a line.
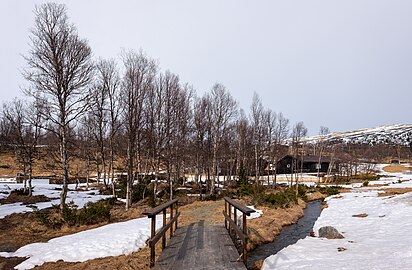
(309, 158)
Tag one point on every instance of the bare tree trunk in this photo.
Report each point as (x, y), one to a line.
(30, 177)
(64, 162)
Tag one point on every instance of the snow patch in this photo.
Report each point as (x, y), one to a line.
(110, 240)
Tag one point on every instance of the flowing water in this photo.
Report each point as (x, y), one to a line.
(289, 234)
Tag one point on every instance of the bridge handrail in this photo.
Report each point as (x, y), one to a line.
(234, 229)
(173, 219)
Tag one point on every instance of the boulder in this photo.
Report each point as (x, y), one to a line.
(330, 232)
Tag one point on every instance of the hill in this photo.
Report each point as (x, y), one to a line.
(389, 134)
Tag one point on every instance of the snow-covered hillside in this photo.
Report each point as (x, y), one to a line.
(394, 134)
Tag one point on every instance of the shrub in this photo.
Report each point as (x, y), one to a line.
(365, 184)
(329, 190)
(283, 199)
(91, 213)
(44, 218)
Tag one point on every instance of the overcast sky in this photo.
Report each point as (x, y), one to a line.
(341, 64)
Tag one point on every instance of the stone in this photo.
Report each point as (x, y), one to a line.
(329, 232)
(7, 247)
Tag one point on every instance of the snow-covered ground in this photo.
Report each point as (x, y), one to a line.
(109, 240)
(256, 214)
(80, 198)
(381, 240)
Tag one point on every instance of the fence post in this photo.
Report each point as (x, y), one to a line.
(230, 216)
(234, 231)
(153, 246)
(246, 240)
(177, 210)
(226, 214)
(171, 217)
(164, 224)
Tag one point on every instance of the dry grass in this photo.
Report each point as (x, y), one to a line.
(266, 228)
(15, 198)
(360, 215)
(396, 168)
(394, 191)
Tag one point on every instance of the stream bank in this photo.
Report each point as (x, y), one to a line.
(288, 235)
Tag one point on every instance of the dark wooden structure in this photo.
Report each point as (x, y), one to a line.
(161, 234)
(239, 234)
(310, 164)
(204, 246)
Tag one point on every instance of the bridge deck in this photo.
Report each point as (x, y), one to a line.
(200, 246)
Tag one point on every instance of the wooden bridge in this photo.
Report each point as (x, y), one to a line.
(200, 245)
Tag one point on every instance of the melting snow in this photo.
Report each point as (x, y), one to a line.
(382, 240)
(80, 198)
(109, 240)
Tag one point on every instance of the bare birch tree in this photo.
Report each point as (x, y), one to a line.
(321, 147)
(257, 111)
(223, 112)
(59, 69)
(298, 132)
(139, 76)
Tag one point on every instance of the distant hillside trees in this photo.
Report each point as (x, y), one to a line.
(24, 121)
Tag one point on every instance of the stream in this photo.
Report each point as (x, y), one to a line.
(289, 234)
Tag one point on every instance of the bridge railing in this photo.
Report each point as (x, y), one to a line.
(235, 231)
(161, 234)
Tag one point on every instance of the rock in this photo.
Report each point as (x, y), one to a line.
(330, 232)
(7, 247)
(340, 249)
(256, 265)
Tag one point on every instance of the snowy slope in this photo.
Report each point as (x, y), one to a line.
(381, 240)
(80, 198)
(110, 240)
(391, 134)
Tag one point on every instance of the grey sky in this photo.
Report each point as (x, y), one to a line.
(341, 64)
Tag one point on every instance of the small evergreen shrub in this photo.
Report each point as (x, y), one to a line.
(330, 190)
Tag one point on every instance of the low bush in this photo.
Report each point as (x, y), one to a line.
(91, 213)
(21, 191)
(329, 190)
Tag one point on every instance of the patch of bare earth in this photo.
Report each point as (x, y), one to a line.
(396, 168)
(394, 191)
(21, 229)
(360, 215)
(15, 198)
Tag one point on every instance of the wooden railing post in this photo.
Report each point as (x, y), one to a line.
(177, 210)
(153, 246)
(246, 240)
(240, 234)
(235, 220)
(167, 225)
(230, 216)
(226, 213)
(164, 224)
(171, 217)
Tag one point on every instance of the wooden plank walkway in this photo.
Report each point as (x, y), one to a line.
(201, 247)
